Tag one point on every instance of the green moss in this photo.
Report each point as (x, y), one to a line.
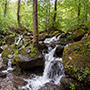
(15, 60)
(7, 51)
(77, 48)
(78, 33)
(33, 51)
(72, 86)
(76, 60)
(69, 37)
(23, 51)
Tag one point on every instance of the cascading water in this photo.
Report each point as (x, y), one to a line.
(9, 66)
(53, 69)
(20, 38)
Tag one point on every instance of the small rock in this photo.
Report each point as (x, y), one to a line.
(65, 82)
(3, 75)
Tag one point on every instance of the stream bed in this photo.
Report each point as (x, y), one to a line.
(53, 70)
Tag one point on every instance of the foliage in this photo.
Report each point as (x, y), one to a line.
(69, 37)
(16, 51)
(84, 73)
(33, 51)
(72, 86)
(66, 19)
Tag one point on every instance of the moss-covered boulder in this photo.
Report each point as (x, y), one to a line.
(76, 61)
(6, 52)
(78, 34)
(28, 58)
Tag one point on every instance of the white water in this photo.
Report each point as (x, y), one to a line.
(53, 69)
(20, 38)
(9, 67)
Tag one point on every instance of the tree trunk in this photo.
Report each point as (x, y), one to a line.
(55, 9)
(79, 10)
(47, 18)
(18, 13)
(35, 24)
(5, 9)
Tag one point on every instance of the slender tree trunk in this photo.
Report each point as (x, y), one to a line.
(35, 24)
(46, 24)
(79, 10)
(5, 10)
(55, 9)
(48, 12)
(18, 13)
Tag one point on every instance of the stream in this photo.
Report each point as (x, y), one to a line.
(53, 70)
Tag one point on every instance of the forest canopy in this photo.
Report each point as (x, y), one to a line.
(70, 14)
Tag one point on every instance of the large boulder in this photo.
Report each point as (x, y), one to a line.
(76, 61)
(28, 60)
(78, 34)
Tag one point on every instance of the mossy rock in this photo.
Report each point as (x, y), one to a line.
(26, 62)
(6, 52)
(23, 51)
(76, 60)
(78, 34)
(64, 41)
(28, 58)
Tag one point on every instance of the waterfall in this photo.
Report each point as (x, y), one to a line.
(9, 67)
(53, 69)
(20, 38)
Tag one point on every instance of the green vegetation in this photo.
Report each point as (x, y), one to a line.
(36, 20)
(67, 14)
(78, 66)
(33, 51)
(72, 86)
